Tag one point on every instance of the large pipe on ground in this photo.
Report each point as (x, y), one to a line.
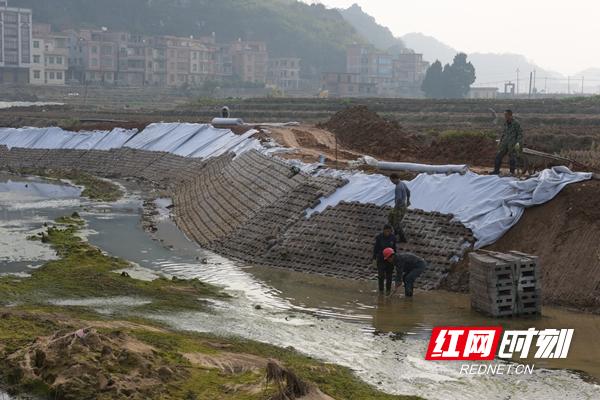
(426, 168)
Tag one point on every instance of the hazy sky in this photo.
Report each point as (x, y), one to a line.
(560, 35)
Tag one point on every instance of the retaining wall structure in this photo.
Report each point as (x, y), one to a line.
(252, 208)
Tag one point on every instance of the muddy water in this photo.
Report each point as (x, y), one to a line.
(383, 340)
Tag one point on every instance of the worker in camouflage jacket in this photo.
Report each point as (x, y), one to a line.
(511, 143)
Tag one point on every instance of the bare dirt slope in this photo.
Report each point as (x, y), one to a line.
(311, 142)
(565, 234)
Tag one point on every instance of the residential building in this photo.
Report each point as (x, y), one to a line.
(158, 58)
(394, 75)
(249, 61)
(134, 60)
(99, 55)
(341, 84)
(223, 62)
(284, 73)
(15, 43)
(189, 61)
(50, 56)
(408, 73)
(373, 67)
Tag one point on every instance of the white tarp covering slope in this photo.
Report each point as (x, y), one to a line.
(188, 140)
(489, 205)
(57, 138)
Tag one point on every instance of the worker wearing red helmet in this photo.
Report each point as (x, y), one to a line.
(408, 268)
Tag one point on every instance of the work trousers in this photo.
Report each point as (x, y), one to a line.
(512, 159)
(410, 276)
(395, 220)
(385, 273)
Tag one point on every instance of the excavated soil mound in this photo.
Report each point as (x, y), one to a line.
(363, 130)
(80, 365)
(468, 149)
(565, 234)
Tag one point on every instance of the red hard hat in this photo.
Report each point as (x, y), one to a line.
(388, 252)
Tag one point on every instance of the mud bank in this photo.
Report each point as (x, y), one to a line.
(65, 350)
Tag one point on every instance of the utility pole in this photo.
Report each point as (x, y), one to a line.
(582, 82)
(518, 81)
(534, 81)
(530, 82)
(568, 85)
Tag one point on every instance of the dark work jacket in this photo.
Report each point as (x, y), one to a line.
(406, 262)
(382, 242)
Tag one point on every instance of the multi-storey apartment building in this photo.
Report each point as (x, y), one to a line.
(100, 52)
(284, 73)
(134, 64)
(50, 56)
(409, 72)
(15, 43)
(393, 75)
(189, 61)
(249, 61)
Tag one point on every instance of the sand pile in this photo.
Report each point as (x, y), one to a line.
(363, 130)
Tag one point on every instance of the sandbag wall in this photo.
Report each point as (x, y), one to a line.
(165, 170)
(252, 209)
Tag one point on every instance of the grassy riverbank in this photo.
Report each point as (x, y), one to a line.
(61, 352)
(94, 188)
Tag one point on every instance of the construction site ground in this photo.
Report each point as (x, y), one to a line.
(562, 232)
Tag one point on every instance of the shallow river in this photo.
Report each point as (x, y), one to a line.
(344, 322)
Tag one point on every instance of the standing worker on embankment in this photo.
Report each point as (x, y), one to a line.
(401, 204)
(511, 143)
(408, 268)
(385, 272)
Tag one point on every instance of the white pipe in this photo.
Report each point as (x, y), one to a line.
(227, 121)
(427, 168)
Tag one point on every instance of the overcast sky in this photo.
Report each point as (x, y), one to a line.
(560, 35)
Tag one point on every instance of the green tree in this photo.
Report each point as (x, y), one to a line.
(433, 84)
(458, 77)
(451, 82)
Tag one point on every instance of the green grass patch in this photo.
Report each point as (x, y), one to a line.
(94, 188)
(84, 271)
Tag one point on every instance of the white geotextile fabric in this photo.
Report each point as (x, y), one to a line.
(188, 140)
(487, 204)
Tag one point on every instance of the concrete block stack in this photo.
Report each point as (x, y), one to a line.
(505, 284)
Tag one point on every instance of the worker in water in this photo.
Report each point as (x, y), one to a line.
(408, 268)
(511, 143)
(225, 112)
(385, 239)
(401, 204)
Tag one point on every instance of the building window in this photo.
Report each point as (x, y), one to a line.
(36, 44)
(59, 75)
(51, 60)
(51, 75)
(36, 74)
(59, 60)
(94, 50)
(36, 59)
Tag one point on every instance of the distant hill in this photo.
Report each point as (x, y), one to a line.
(290, 28)
(491, 69)
(431, 48)
(378, 35)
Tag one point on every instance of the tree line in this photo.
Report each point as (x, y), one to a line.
(453, 81)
